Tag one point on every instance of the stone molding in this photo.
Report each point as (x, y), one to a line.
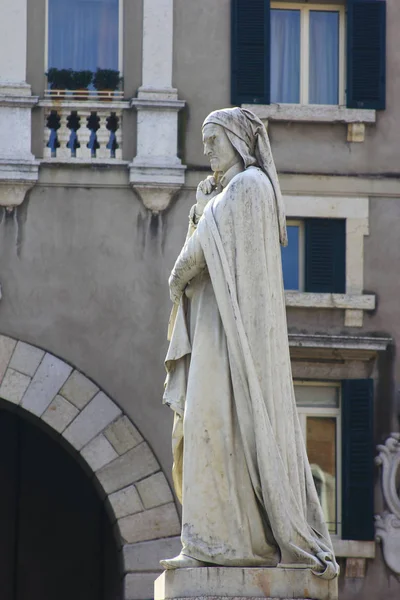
(387, 525)
(346, 342)
(353, 549)
(124, 467)
(355, 118)
(343, 301)
(22, 101)
(17, 177)
(312, 113)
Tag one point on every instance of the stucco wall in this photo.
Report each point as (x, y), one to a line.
(84, 271)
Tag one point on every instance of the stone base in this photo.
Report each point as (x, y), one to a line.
(239, 583)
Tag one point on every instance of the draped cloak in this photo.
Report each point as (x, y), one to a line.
(240, 463)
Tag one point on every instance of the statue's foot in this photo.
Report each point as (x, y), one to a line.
(181, 562)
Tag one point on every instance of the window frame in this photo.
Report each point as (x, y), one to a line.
(120, 37)
(336, 412)
(300, 223)
(304, 46)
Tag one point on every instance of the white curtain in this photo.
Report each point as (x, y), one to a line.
(324, 57)
(83, 34)
(285, 56)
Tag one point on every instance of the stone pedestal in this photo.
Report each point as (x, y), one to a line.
(237, 583)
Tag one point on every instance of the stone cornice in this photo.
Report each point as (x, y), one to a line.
(18, 101)
(347, 342)
(312, 113)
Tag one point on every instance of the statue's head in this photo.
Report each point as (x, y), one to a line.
(236, 134)
(217, 146)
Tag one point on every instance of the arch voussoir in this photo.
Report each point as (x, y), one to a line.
(128, 473)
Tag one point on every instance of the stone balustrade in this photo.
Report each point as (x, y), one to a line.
(88, 130)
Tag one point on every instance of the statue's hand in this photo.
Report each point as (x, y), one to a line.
(206, 190)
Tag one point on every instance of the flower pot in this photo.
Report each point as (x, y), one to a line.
(105, 95)
(82, 94)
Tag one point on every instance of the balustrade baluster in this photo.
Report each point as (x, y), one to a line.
(84, 135)
(103, 135)
(64, 135)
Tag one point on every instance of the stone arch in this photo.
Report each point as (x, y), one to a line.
(126, 472)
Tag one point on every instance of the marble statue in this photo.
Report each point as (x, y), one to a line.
(240, 464)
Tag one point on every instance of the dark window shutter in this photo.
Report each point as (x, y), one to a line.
(366, 54)
(358, 460)
(250, 57)
(325, 255)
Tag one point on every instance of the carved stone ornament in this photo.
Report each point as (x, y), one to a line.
(387, 525)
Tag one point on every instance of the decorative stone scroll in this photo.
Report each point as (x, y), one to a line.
(387, 524)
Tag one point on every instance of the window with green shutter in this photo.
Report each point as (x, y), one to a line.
(250, 63)
(358, 460)
(325, 256)
(337, 423)
(366, 54)
(315, 258)
(281, 53)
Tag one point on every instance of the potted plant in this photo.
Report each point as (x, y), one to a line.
(106, 80)
(81, 81)
(59, 79)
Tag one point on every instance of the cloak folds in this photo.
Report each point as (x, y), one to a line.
(233, 261)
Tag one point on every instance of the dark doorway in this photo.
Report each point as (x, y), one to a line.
(55, 538)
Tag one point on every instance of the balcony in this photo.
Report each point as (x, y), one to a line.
(83, 125)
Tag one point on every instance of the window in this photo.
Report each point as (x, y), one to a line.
(301, 53)
(315, 258)
(318, 407)
(337, 424)
(293, 257)
(307, 53)
(83, 34)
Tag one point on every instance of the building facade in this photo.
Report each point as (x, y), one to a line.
(97, 178)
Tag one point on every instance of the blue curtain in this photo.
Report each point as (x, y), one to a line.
(291, 259)
(324, 57)
(83, 34)
(285, 56)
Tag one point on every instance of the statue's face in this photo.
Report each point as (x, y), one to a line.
(218, 148)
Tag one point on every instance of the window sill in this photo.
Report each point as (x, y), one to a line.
(353, 304)
(68, 102)
(355, 118)
(344, 301)
(353, 548)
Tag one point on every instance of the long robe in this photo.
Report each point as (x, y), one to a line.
(248, 494)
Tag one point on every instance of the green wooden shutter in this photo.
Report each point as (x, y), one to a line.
(325, 255)
(250, 57)
(366, 54)
(358, 460)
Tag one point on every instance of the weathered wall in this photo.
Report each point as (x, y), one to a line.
(84, 271)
